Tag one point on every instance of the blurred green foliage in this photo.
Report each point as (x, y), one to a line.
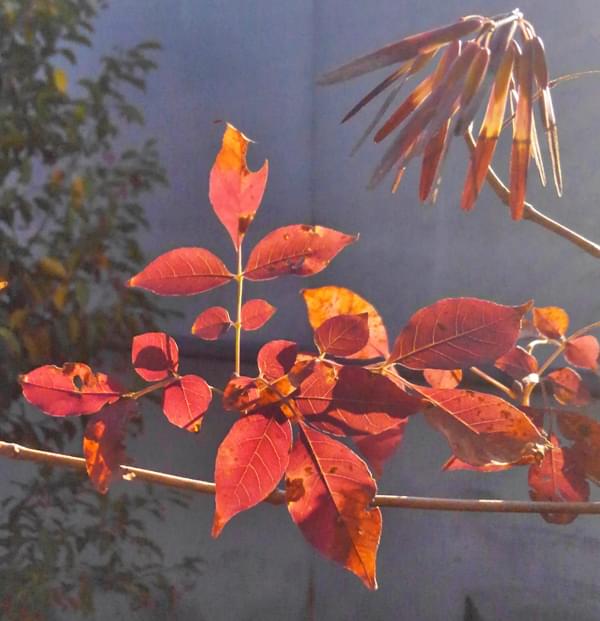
(70, 213)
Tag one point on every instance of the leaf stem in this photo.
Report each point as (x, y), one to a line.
(494, 382)
(238, 319)
(148, 389)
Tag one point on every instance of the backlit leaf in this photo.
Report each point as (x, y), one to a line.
(568, 387)
(154, 356)
(250, 462)
(583, 352)
(212, 323)
(276, 358)
(103, 443)
(235, 192)
(297, 249)
(441, 378)
(329, 490)
(456, 333)
(517, 363)
(183, 271)
(377, 449)
(455, 464)
(256, 313)
(70, 390)
(585, 432)
(551, 321)
(185, 402)
(326, 302)
(342, 335)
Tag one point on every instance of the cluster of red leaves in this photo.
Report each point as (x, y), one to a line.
(504, 60)
(302, 416)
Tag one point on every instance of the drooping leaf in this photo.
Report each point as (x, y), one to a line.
(329, 490)
(103, 443)
(185, 402)
(559, 477)
(481, 428)
(403, 50)
(343, 335)
(71, 390)
(256, 313)
(297, 249)
(276, 358)
(352, 400)
(183, 271)
(583, 352)
(250, 462)
(154, 356)
(568, 387)
(551, 321)
(433, 157)
(326, 302)
(517, 363)
(441, 378)
(212, 323)
(235, 192)
(585, 432)
(377, 449)
(456, 333)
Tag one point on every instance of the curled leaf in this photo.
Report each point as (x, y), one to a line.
(583, 352)
(212, 323)
(551, 321)
(154, 356)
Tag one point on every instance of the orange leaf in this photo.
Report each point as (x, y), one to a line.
(551, 321)
(343, 335)
(329, 490)
(154, 356)
(185, 402)
(235, 192)
(440, 378)
(212, 323)
(583, 352)
(378, 448)
(256, 313)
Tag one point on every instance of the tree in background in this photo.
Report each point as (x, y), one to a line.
(70, 213)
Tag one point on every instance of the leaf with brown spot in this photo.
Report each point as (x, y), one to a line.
(154, 356)
(558, 477)
(250, 463)
(326, 302)
(583, 352)
(568, 387)
(343, 335)
(297, 249)
(329, 492)
(585, 432)
(256, 313)
(71, 390)
(103, 440)
(234, 191)
(185, 402)
(517, 363)
(378, 448)
(211, 324)
(457, 332)
(442, 378)
(480, 428)
(551, 321)
(183, 271)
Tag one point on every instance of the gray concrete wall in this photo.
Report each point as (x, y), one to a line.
(254, 64)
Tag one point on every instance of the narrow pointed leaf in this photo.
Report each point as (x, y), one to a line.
(298, 249)
(71, 390)
(583, 352)
(185, 402)
(103, 443)
(456, 333)
(154, 356)
(212, 323)
(379, 448)
(343, 335)
(329, 490)
(235, 192)
(184, 271)
(551, 321)
(536, 152)
(568, 387)
(256, 313)
(250, 462)
(433, 156)
(517, 363)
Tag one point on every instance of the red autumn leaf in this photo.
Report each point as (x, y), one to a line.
(183, 271)
(352, 400)
(329, 490)
(343, 335)
(441, 378)
(154, 356)
(276, 358)
(480, 428)
(377, 449)
(558, 477)
(583, 352)
(551, 321)
(454, 463)
(250, 463)
(256, 313)
(326, 302)
(517, 363)
(185, 402)
(297, 249)
(212, 323)
(103, 446)
(457, 332)
(71, 390)
(585, 432)
(568, 387)
(234, 191)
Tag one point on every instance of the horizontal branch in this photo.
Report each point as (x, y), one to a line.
(130, 473)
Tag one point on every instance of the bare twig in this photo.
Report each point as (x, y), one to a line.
(130, 473)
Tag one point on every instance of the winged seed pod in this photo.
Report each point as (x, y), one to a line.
(502, 60)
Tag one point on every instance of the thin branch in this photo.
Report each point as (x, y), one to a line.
(531, 213)
(238, 319)
(130, 473)
(494, 382)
